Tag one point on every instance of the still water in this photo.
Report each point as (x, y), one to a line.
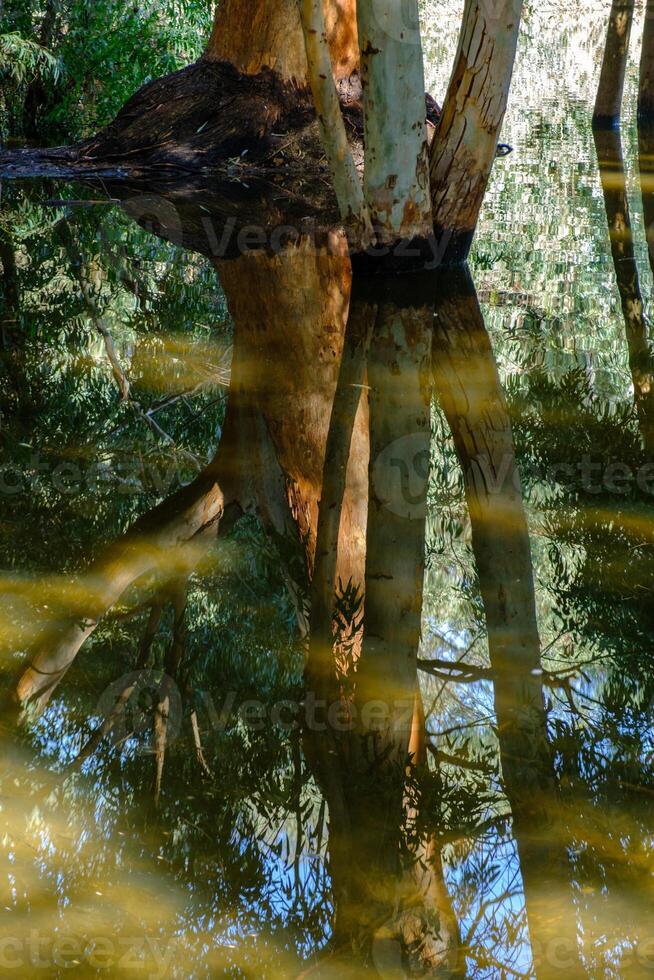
(209, 778)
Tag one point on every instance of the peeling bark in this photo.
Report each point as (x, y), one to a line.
(347, 186)
(257, 34)
(465, 143)
(396, 173)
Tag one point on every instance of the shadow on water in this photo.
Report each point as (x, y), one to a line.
(232, 743)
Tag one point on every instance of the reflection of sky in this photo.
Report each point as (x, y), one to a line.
(489, 904)
(542, 249)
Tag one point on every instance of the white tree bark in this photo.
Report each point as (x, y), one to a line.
(347, 184)
(464, 147)
(396, 177)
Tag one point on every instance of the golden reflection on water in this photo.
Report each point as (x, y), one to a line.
(202, 832)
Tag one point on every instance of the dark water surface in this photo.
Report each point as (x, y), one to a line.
(177, 800)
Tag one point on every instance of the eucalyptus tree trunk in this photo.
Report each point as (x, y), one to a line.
(469, 391)
(465, 142)
(608, 144)
(347, 185)
(257, 34)
(396, 172)
(646, 80)
(169, 540)
(608, 103)
(254, 35)
(350, 404)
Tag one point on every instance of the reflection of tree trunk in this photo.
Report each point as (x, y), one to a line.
(349, 402)
(470, 394)
(464, 146)
(646, 82)
(289, 311)
(608, 103)
(385, 908)
(609, 153)
(168, 540)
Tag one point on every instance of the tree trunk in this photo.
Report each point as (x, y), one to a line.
(608, 144)
(465, 143)
(608, 103)
(350, 401)
(469, 390)
(347, 185)
(257, 34)
(289, 312)
(168, 540)
(396, 173)
(366, 828)
(246, 99)
(646, 81)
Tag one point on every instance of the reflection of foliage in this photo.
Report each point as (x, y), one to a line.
(64, 423)
(242, 851)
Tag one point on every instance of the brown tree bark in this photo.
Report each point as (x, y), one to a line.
(469, 391)
(608, 144)
(385, 907)
(257, 34)
(646, 80)
(608, 103)
(465, 143)
(246, 98)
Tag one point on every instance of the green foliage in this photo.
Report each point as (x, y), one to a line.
(88, 58)
(22, 60)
